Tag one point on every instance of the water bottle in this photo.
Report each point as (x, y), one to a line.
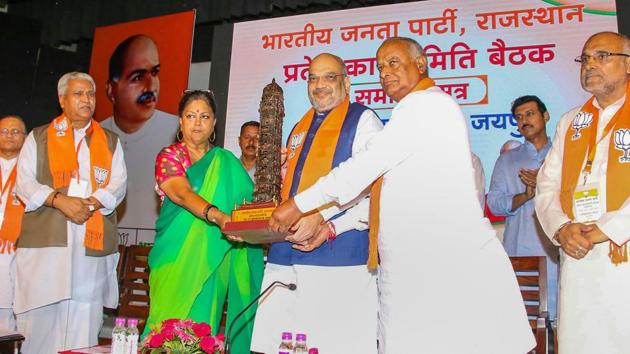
(132, 336)
(286, 345)
(118, 336)
(300, 344)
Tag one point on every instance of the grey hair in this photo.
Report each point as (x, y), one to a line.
(62, 84)
(415, 49)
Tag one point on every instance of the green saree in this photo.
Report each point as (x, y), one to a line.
(194, 267)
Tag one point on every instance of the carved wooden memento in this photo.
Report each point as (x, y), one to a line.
(267, 178)
(249, 221)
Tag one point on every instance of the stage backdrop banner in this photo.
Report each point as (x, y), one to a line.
(483, 53)
(141, 105)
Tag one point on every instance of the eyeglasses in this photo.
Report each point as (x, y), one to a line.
(15, 131)
(328, 77)
(599, 57)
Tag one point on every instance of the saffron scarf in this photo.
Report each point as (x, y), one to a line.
(64, 164)
(375, 197)
(13, 212)
(618, 170)
(319, 160)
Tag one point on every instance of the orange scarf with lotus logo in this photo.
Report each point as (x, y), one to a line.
(13, 213)
(576, 148)
(63, 161)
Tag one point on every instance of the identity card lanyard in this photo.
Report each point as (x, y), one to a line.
(87, 133)
(592, 142)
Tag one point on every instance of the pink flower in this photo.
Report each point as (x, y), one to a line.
(220, 337)
(207, 344)
(156, 341)
(170, 323)
(168, 333)
(186, 323)
(186, 337)
(202, 329)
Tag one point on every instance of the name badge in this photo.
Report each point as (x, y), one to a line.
(78, 188)
(587, 207)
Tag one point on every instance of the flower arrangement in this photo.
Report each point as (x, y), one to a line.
(183, 337)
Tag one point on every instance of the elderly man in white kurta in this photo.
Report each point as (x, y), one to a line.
(71, 176)
(12, 134)
(583, 203)
(446, 284)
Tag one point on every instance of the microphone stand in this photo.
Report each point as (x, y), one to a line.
(228, 338)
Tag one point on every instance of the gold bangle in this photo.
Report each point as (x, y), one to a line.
(205, 213)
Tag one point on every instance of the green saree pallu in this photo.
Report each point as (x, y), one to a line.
(194, 267)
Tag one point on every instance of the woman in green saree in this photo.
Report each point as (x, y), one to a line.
(194, 267)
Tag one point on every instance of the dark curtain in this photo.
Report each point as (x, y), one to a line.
(65, 21)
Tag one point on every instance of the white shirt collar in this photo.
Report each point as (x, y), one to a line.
(81, 131)
(615, 105)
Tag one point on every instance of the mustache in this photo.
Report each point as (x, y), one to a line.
(526, 125)
(148, 96)
(321, 90)
(250, 147)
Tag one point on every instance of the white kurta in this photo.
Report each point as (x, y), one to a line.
(7, 257)
(50, 275)
(593, 315)
(446, 284)
(330, 304)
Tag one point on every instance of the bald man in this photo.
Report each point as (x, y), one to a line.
(445, 282)
(12, 135)
(583, 203)
(133, 89)
(336, 300)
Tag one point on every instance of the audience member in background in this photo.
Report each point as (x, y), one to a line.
(509, 145)
(513, 187)
(480, 179)
(71, 176)
(496, 219)
(12, 135)
(445, 284)
(194, 267)
(583, 203)
(248, 142)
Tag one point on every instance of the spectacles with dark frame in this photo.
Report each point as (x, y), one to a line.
(14, 131)
(328, 77)
(599, 57)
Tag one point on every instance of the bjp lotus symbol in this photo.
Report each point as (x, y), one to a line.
(622, 142)
(581, 121)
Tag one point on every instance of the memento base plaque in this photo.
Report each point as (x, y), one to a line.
(251, 221)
